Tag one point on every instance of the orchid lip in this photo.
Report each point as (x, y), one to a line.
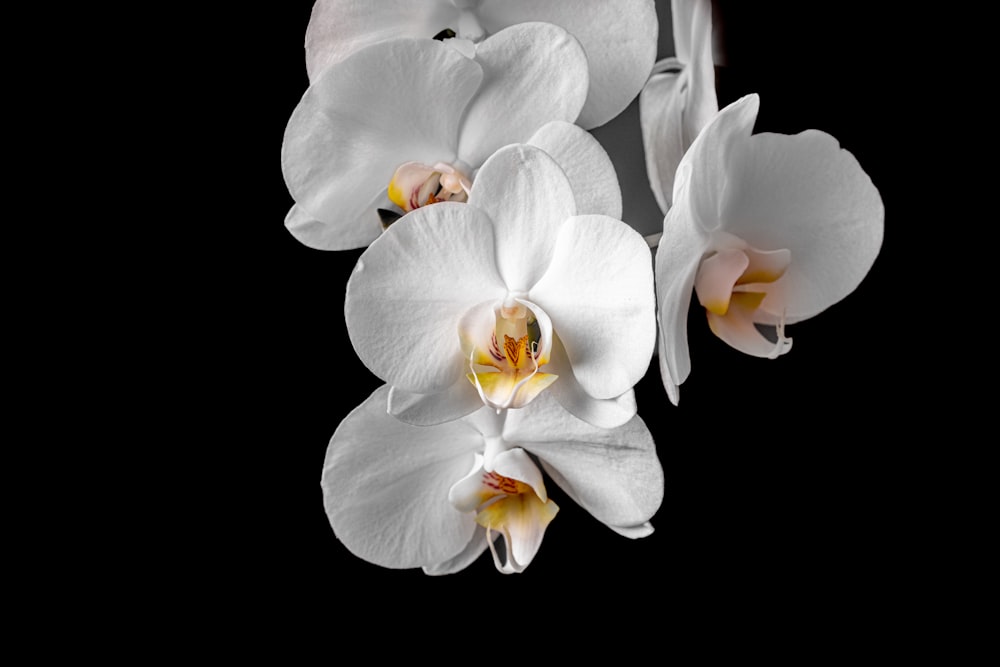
(415, 184)
(507, 344)
(740, 289)
(513, 503)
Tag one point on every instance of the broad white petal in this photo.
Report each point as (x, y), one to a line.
(385, 486)
(701, 176)
(586, 164)
(601, 412)
(458, 400)
(528, 197)
(619, 38)
(410, 289)
(805, 193)
(321, 236)
(477, 545)
(338, 28)
(350, 130)
(598, 292)
(678, 256)
(533, 73)
(612, 473)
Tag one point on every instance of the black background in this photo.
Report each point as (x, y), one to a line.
(783, 505)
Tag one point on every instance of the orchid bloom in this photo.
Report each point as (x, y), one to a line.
(436, 497)
(618, 37)
(408, 122)
(529, 287)
(767, 230)
(679, 99)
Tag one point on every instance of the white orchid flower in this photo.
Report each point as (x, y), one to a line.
(767, 229)
(528, 287)
(436, 497)
(619, 37)
(409, 121)
(679, 99)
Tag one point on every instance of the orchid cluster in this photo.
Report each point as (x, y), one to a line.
(501, 298)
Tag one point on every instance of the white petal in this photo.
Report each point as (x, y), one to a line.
(681, 18)
(543, 352)
(533, 73)
(411, 287)
(385, 487)
(349, 131)
(678, 256)
(458, 400)
(675, 105)
(338, 28)
(661, 113)
(586, 164)
(598, 292)
(805, 193)
(603, 412)
(612, 473)
(619, 38)
(516, 464)
(528, 197)
(702, 103)
(634, 532)
(469, 555)
(469, 492)
(321, 236)
(701, 176)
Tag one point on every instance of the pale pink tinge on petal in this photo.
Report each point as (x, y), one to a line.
(738, 330)
(716, 278)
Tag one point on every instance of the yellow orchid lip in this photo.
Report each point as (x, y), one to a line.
(509, 375)
(518, 508)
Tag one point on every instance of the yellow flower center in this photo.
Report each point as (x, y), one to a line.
(507, 375)
(495, 483)
(515, 505)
